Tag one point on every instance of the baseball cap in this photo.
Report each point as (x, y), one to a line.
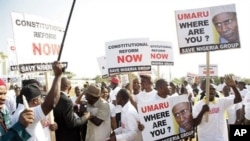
(115, 80)
(30, 91)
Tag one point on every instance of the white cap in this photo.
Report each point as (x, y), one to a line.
(178, 99)
(222, 9)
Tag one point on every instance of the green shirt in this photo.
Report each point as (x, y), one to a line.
(16, 133)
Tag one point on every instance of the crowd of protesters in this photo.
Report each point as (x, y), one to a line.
(108, 112)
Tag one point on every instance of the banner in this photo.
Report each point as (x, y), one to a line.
(169, 119)
(161, 53)
(37, 40)
(128, 55)
(207, 29)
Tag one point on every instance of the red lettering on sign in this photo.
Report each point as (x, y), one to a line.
(154, 107)
(159, 56)
(12, 48)
(129, 58)
(194, 15)
(45, 49)
(210, 72)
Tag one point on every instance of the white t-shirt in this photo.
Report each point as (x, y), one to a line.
(128, 131)
(220, 87)
(10, 101)
(243, 93)
(246, 102)
(216, 127)
(112, 110)
(47, 130)
(144, 97)
(35, 129)
(189, 90)
(112, 95)
(231, 111)
(175, 94)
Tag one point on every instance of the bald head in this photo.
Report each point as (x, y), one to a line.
(65, 84)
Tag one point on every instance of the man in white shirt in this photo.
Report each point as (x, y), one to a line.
(114, 84)
(234, 111)
(148, 93)
(128, 131)
(246, 109)
(215, 129)
(33, 95)
(10, 99)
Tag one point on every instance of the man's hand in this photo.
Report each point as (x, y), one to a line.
(205, 108)
(140, 126)
(57, 68)
(229, 81)
(87, 115)
(53, 127)
(112, 137)
(26, 117)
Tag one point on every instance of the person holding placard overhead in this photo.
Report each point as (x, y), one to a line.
(225, 22)
(33, 95)
(215, 128)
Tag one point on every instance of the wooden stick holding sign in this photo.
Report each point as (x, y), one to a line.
(207, 82)
(51, 121)
(50, 115)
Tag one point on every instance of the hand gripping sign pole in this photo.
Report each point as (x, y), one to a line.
(66, 29)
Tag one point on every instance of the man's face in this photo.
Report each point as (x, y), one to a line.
(226, 25)
(136, 84)
(164, 89)
(91, 99)
(105, 93)
(183, 115)
(145, 83)
(77, 91)
(36, 101)
(212, 93)
(3, 92)
(119, 99)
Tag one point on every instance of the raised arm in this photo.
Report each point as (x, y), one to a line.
(54, 94)
(230, 82)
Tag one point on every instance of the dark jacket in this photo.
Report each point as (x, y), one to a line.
(68, 124)
(16, 133)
